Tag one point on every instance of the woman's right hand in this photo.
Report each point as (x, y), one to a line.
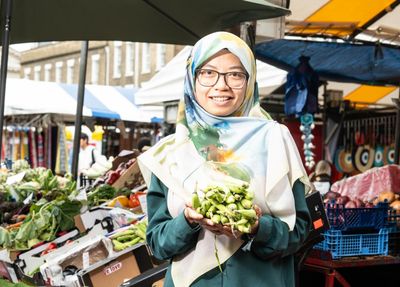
(196, 218)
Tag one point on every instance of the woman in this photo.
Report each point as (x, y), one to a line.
(222, 133)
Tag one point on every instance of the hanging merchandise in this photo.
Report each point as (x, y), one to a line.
(306, 127)
(364, 155)
(24, 145)
(301, 95)
(62, 152)
(379, 148)
(48, 157)
(32, 150)
(40, 148)
(389, 149)
(346, 157)
(16, 143)
(10, 143)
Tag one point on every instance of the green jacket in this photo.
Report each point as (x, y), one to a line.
(269, 262)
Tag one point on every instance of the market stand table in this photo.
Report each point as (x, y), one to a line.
(331, 268)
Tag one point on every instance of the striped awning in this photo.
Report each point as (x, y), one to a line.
(34, 97)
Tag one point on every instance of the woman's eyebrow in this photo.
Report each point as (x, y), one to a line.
(230, 68)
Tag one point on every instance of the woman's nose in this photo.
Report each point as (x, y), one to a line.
(221, 83)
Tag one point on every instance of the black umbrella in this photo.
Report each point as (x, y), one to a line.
(161, 21)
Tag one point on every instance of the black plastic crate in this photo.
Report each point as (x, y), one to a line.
(348, 219)
(394, 243)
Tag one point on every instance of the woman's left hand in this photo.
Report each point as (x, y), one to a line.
(220, 229)
(254, 227)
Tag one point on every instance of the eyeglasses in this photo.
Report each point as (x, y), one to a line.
(208, 78)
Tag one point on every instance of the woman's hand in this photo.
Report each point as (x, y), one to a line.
(196, 218)
(254, 227)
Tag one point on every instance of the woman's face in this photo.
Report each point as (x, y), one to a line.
(220, 99)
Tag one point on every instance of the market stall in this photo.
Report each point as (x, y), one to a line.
(55, 234)
(37, 113)
(362, 223)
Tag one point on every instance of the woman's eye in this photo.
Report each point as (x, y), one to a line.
(236, 75)
(208, 73)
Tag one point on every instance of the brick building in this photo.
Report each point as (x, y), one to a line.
(112, 63)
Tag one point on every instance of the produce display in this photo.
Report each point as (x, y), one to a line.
(230, 205)
(38, 210)
(36, 205)
(136, 233)
(388, 197)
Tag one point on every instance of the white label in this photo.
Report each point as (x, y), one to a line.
(15, 178)
(112, 268)
(85, 260)
(143, 203)
(29, 198)
(13, 276)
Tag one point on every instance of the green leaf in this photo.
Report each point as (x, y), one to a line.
(67, 212)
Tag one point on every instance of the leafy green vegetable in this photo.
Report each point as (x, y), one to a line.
(101, 194)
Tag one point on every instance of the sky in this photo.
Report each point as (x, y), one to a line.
(23, 47)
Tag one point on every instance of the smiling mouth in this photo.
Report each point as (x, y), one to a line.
(221, 99)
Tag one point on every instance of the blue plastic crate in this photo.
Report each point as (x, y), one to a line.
(347, 219)
(344, 245)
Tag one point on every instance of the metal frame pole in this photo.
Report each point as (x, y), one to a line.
(6, 8)
(79, 107)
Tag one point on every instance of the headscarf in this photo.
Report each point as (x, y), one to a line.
(208, 149)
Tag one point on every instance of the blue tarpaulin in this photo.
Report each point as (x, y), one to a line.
(342, 62)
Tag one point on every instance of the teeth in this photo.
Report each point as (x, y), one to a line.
(220, 99)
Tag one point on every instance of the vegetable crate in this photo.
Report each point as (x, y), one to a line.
(346, 219)
(344, 245)
(394, 243)
(85, 181)
(393, 220)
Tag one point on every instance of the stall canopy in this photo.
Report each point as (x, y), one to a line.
(167, 84)
(368, 20)
(345, 62)
(25, 97)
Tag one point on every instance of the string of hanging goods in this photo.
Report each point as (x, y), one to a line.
(306, 127)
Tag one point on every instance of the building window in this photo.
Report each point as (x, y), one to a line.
(95, 68)
(161, 50)
(36, 75)
(70, 71)
(59, 66)
(145, 58)
(47, 72)
(27, 73)
(129, 59)
(117, 59)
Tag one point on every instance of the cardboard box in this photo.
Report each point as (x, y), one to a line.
(124, 156)
(30, 260)
(7, 271)
(128, 177)
(113, 271)
(88, 219)
(159, 283)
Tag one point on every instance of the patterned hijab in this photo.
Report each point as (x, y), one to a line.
(208, 149)
(191, 113)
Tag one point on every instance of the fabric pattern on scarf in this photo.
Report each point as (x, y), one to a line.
(208, 149)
